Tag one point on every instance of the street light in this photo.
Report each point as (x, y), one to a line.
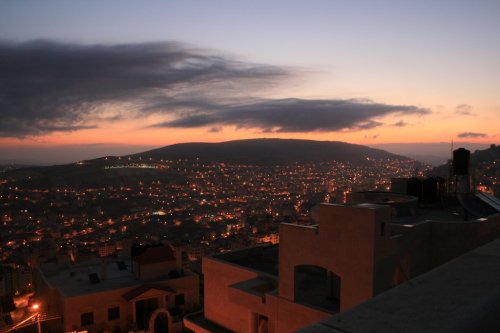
(35, 307)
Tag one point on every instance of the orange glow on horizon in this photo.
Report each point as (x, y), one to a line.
(435, 127)
(157, 138)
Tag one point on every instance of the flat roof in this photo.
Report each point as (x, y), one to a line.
(262, 258)
(74, 280)
(462, 295)
(429, 214)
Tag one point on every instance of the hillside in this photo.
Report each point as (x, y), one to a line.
(270, 152)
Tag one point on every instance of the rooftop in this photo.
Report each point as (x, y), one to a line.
(75, 281)
(155, 254)
(130, 295)
(198, 318)
(263, 258)
(430, 214)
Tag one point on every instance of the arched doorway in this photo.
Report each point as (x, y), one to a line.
(160, 321)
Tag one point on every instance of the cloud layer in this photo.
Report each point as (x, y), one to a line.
(47, 87)
(294, 115)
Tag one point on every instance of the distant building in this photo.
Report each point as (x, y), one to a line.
(273, 238)
(106, 249)
(197, 252)
(149, 294)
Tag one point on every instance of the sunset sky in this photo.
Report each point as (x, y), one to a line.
(111, 77)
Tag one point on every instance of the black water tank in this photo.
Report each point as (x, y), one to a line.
(461, 159)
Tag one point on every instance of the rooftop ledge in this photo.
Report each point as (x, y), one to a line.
(197, 322)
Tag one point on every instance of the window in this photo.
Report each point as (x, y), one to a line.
(179, 299)
(382, 229)
(114, 313)
(87, 318)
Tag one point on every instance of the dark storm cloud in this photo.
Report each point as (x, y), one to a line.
(294, 115)
(471, 135)
(464, 110)
(47, 86)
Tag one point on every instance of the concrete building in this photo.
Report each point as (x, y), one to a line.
(354, 253)
(149, 294)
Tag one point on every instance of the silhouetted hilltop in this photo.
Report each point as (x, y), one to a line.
(270, 152)
(491, 154)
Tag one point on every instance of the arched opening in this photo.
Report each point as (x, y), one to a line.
(160, 321)
(318, 287)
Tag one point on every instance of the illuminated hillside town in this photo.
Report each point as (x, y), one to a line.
(269, 241)
(206, 208)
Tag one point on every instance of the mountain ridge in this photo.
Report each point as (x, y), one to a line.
(131, 169)
(269, 151)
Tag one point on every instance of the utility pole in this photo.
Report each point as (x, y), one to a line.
(36, 307)
(38, 324)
